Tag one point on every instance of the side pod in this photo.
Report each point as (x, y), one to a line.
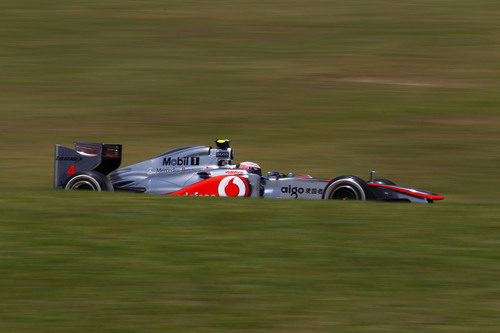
(99, 157)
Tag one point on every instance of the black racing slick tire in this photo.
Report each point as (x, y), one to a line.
(383, 181)
(347, 188)
(89, 181)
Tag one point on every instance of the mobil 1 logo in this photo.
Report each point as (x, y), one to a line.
(181, 161)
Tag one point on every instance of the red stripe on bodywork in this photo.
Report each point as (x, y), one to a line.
(417, 194)
(210, 187)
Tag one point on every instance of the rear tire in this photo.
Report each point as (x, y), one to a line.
(89, 181)
(347, 188)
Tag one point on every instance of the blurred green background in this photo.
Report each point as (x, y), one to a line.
(409, 89)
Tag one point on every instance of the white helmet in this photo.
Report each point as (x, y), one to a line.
(251, 167)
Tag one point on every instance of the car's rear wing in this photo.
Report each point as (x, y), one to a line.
(86, 156)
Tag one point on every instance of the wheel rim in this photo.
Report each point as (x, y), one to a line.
(83, 183)
(83, 186)
(344, 193)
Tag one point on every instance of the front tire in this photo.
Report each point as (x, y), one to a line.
(89, 181)
(347, 188)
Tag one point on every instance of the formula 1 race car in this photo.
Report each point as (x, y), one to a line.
(207, 171)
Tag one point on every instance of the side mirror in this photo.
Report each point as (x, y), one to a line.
(204, 174)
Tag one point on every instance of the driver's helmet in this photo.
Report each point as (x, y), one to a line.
(251, 167)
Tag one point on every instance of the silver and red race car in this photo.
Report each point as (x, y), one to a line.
(207, 171)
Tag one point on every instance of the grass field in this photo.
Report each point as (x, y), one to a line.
(409, 89)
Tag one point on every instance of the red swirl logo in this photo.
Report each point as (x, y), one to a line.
(232, 186)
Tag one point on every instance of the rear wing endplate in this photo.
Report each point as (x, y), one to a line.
(86, 156)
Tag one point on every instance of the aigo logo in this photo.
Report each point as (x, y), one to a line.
(232, 186)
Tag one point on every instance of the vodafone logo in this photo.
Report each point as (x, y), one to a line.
(223, 186)
(232, 186)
